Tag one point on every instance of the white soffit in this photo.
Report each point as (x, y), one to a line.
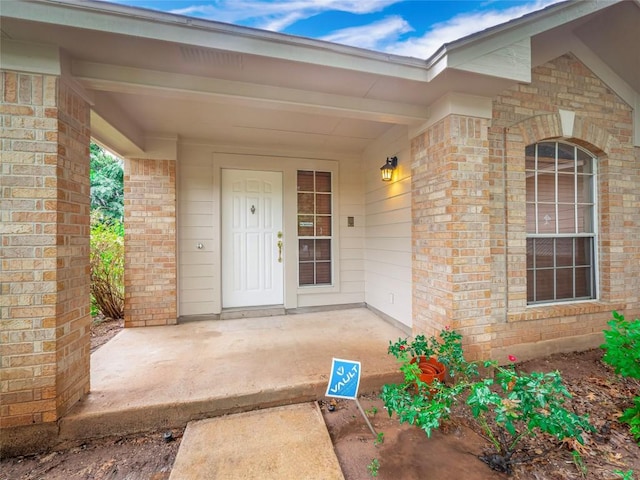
(132, 80)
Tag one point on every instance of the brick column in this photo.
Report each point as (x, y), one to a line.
(150, 243)
(44, 306)
(451, 230)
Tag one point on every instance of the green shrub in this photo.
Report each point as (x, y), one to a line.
(631, 416)
(622, 346)
(507, 405)
(622, 352)
(107, 265)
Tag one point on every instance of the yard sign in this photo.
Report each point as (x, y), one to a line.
(344, 380)
(344, 383)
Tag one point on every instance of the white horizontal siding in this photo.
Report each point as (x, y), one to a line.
(196, 220)
(322, 299)
(388, 268)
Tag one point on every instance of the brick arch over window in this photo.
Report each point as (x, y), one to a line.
(549, 127)
(585, 133)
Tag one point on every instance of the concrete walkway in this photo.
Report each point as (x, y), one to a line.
(164, 377)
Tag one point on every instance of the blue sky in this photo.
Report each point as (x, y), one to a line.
(413, 28)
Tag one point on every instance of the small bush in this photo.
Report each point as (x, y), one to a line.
(107, 265)
(507, 405)
(622, 346)
(622, 352)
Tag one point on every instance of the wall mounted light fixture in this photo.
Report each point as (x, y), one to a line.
(387, 169)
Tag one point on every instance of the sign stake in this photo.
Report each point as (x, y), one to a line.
(366, 419)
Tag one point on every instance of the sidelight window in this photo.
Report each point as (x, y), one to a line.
(315, 228)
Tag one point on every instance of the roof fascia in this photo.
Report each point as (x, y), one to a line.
(105, 17)
(508, 40)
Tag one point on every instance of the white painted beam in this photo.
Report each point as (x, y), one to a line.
(112, 138)
(456, 104)
(30, 57)
(115, 78)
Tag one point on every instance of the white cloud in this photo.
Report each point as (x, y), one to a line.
(381, 35)
(374, 36)
(460, 26)
(278, 15)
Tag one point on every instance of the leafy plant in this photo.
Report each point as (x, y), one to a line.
(107, 183)
(371, 412)
(522, 405)
(579, 463)
(447, 350)
(374, 467)
(628, 475)
(107, 265)
(631, 416)
(622, 352)
(622, 346)
(507, 406)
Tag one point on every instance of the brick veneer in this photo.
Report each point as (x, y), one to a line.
(150, 242)
(469, 230)
(450, 233)
(44, 306)
(527, 114)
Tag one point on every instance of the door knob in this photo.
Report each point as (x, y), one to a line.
(280, 244)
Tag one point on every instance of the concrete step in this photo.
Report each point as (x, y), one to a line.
(275, 443)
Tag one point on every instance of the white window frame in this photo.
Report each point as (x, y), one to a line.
(331, 238)
(594, 234)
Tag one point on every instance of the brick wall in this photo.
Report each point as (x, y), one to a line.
(469, 230)
(450, 233)
(44, 306)
(527, 114)
(150, 242)
(73, 313)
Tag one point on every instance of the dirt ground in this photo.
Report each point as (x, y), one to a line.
(139, 457)
(104, 329)
(406, 452)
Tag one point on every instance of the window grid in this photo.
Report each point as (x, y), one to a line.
(557, 268)
(315, 228)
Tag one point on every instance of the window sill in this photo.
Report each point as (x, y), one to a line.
(542, 312)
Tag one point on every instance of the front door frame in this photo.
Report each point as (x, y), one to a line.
(288, 165)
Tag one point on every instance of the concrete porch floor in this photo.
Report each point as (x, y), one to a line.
(164, 377)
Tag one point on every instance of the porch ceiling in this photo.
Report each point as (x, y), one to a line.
(148, 73)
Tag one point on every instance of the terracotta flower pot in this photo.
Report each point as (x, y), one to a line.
(431, 369)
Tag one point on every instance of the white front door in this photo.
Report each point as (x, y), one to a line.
(252, 262)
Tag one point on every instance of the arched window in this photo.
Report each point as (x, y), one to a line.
(561, 223)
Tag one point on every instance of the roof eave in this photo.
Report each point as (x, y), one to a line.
(134, 21)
